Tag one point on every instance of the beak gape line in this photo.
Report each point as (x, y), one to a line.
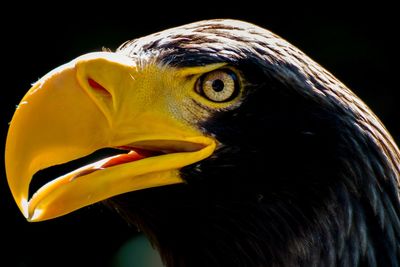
(67, 116)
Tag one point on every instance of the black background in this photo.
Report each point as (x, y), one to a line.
(358, 45)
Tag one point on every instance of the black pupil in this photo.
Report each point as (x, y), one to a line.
(218, 85)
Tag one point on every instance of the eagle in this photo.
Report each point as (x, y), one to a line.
(228, 146)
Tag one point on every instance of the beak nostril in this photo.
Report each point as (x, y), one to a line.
(98, 87)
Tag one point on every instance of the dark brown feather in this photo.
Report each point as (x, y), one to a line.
(306, 174)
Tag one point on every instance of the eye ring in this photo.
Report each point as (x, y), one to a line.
(218, 86)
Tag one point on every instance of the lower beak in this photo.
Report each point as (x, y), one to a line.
(85, 105)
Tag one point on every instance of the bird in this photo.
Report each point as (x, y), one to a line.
(230, 147)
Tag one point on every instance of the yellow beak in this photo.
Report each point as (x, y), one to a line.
(98, 100)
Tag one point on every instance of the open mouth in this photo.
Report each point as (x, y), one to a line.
(97, 101)
(109, 172)
(88, 164)
(107, 158)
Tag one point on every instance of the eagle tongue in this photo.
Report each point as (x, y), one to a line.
(133, 155)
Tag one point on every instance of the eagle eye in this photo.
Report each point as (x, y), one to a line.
(218, 85)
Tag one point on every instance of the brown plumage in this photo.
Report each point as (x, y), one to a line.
(306, 174)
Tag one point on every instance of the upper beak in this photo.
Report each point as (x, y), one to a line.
(95, 101)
